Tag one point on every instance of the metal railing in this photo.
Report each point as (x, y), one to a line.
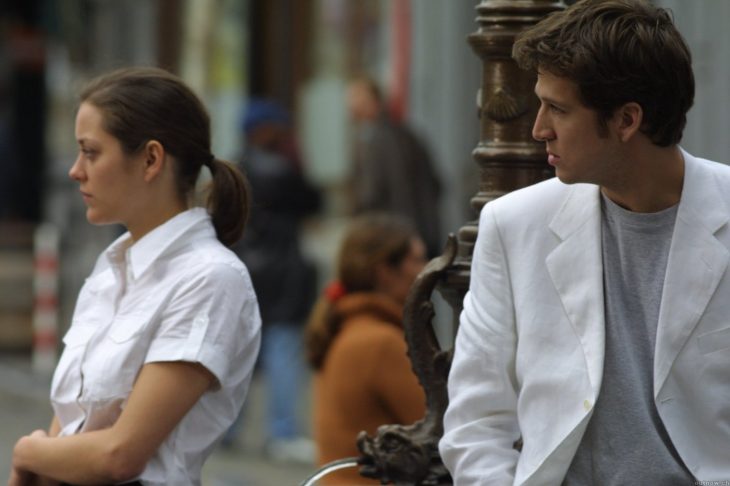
(328, 468)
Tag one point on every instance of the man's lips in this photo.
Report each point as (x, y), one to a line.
(553, 159)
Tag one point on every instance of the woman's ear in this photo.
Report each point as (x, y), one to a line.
(630, 118)
(383, 277)
(154, 159)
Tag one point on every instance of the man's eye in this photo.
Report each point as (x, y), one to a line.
(556, 109)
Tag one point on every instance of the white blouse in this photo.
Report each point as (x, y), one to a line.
(177, 294)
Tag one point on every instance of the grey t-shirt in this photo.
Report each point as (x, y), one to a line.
(625, 442)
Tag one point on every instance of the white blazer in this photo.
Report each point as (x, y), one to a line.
(530, 346)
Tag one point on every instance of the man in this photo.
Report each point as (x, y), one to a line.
(392, 170)
(594, 346)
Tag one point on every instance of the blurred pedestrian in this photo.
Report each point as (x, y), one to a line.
(165, 333)
(284, 280)
(355, 340)
(392, 169)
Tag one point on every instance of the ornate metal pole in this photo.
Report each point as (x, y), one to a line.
(507, 155)
(509, 159)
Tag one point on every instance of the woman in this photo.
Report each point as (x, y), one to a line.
(355, 340)
(165, 332)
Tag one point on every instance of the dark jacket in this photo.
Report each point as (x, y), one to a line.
(284, 281)
(394, 172)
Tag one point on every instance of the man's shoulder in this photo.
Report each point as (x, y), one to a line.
(538, 200)
(705, 181)
(718, 168)
(526, 214)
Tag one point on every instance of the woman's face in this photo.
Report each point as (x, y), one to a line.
(109, 180)
(396, 281)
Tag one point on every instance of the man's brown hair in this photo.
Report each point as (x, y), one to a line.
(617, 51)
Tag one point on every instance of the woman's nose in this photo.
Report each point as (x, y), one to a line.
(75, 172)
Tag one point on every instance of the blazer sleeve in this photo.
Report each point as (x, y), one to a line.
(480, 424)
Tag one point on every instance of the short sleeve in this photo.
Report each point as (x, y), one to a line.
(212, 318)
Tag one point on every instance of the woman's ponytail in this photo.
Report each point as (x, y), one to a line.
(228, 201)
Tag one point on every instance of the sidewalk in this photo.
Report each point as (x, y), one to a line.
(24, 407)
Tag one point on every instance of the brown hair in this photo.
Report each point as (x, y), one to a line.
(370, 240)
(617, 51)
(143, 104)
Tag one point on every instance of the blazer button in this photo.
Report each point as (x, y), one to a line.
(587, 405)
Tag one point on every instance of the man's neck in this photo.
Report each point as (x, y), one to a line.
(654, 181)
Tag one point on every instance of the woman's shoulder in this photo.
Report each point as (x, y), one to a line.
(369, 308)
(368, 334)
(206, 269)
(208, 256)
(370, 329)
(361, 346)
(223, 273)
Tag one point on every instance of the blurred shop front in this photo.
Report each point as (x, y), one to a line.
(22, 156)
(299, 52)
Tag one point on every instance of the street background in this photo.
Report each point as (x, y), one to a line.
(299, 53)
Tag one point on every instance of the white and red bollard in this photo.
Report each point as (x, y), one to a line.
(45, 306)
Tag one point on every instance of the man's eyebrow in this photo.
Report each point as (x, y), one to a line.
(548, 99)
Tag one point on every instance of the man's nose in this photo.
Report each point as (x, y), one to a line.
(540, 129)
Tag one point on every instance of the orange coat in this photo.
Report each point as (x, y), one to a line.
(366, 381)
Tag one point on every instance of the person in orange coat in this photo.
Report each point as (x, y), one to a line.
(355, 341)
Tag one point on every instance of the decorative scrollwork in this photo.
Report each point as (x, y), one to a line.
(502, 106)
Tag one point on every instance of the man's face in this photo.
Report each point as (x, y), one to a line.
(361, 103)
(578, 147)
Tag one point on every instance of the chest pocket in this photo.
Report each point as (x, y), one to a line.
(78, 335)
(714, 341)
(66, 384)
(117, 357)
(127, 328)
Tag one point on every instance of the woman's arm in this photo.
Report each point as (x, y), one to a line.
(55, 428)
(19, 477)
(162, 395)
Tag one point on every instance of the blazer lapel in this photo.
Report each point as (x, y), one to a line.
(576, 269)
(697, 261)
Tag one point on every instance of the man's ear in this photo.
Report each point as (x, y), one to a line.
(154, 160)
(630, 117)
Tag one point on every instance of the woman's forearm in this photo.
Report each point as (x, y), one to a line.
(88, 458)
(162, 395)
(55, 428)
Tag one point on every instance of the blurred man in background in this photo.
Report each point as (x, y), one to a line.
(392, 170)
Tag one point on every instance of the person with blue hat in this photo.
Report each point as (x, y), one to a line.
(283, 279)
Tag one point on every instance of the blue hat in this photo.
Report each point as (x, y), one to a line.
(259, 111)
